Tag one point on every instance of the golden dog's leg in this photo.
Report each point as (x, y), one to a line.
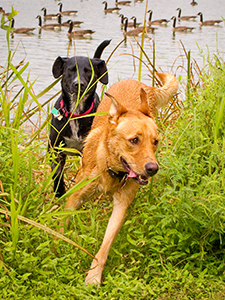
(74, 202)
(116, 220)
(78, 198)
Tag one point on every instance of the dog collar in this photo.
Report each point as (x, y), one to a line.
(63, 112)
(122, 176)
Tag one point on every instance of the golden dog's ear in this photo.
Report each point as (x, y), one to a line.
(144, 103)
(116, 109)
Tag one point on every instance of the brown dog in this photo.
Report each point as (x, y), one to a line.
(119, 150)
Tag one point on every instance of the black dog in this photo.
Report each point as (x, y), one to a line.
(69, 125)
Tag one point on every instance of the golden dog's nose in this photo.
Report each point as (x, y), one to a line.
(151, 168)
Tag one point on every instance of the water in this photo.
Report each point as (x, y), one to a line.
(42, 48)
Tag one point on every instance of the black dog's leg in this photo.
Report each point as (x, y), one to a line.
(59, 185)
(58, 159)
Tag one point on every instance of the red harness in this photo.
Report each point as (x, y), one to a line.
(66, 113)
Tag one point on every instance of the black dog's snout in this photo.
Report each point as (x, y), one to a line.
(78, 83)
(151, 168)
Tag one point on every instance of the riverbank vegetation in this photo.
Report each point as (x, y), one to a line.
(172, 245)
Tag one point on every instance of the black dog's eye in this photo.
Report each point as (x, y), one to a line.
(156, 142)
(87, 71)
(134, 141)
(72, 69)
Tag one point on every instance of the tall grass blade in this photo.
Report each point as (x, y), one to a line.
(33, 137)
(153, 61)
(15, 158)
(26, 87)
(77, 187)
(219, 117)
(188, 76)
(58, 235)
(142, 42)
(14, 223)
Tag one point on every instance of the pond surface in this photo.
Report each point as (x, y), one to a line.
(42, 47)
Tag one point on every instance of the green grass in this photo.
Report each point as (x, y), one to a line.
(171, 245)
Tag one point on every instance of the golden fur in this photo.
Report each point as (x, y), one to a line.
(123, 141)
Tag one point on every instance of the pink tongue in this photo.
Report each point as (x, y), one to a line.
(131, 174)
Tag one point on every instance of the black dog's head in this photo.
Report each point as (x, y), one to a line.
(79, 72)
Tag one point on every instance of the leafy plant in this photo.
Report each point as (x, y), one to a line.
(24, 173)
(172, 243)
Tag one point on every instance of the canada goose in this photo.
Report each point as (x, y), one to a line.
(66, 12)
(122, 2)
(147, 28)
(136, 31)
(129, 24)
(122, 19)
(3, 12)
(78, 33)
(208, 22)
(184, 18)
(48, 16)
(21, 29)
(193, 3)
(135, 23)
(109, 10)
(180, 28)
(49, 26)
(132, 32)
(156, 22)
(75, 23)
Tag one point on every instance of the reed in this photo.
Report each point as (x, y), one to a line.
(20, 152)
(188, 75)
(172, 243)
(142, 42)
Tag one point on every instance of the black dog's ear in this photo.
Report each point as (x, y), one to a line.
(100, 69)
(57, 68)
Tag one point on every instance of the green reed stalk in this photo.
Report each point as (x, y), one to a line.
(142, 42)
(14, 223)
(153, 62)
(219, 118)
(15, 229)
(15, 158)
(188, 76)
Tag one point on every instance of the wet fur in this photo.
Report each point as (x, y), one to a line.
(131, 106)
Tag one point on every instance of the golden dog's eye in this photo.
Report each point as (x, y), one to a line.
(156, 142)
(134, 141)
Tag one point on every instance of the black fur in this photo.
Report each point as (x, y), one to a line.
(74, 87)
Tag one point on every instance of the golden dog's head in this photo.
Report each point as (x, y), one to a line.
(133, 140)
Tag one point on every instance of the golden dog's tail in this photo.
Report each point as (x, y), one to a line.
(165, 93)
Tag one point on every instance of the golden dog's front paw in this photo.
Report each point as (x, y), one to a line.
(93, 278)
(94, 275)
